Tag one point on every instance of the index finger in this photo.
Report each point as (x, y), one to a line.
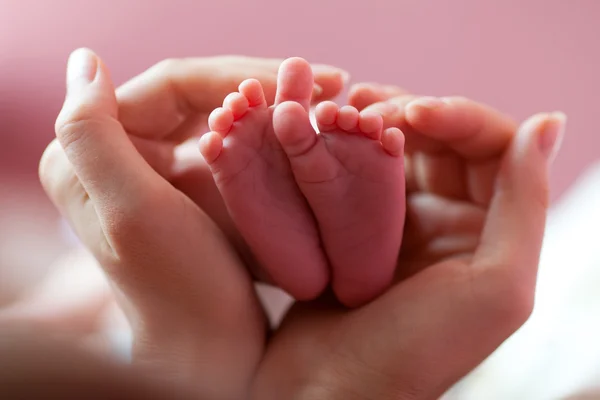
(170, 99)
(471, 129)
(361, 95)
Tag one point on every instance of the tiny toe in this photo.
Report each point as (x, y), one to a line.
(253, 90)
(295, 82)
(220, 120)
(326, 114)
(392, 141)
(237, 103)
(370, 123)
(210, 146)
(292, 127)
(348, 118)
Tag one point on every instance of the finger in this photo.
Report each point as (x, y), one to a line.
(393, 112)
(173, 98)
(444, 133)
(442, 174)
(471, 129)
(68, 195)
(93, 139)
(431, 216)
(329, 82)
(511, 241)
(362, 95)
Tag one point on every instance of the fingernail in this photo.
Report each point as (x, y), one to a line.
(317, 90)
(551, 136)
(81, 68)
(428, 102)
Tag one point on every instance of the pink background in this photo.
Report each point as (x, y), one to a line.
(519, 56)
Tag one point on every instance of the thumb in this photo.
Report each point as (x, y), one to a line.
(512, 238)
(295, 82)
(91, 135)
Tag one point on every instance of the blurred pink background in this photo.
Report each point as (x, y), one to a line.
(519, 56)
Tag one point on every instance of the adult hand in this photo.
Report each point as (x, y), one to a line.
(466, 275)
(331, 368)
(188, 298)
(160, 109)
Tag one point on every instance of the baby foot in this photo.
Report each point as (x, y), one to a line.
(254, 177)
(352, 175)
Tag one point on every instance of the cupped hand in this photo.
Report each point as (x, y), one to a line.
(477, 202)
(189, 299)
(454, 149)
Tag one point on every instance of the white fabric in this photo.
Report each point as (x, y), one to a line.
(556, 354)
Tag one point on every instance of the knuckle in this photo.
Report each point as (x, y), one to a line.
(543, 197)
(58, 178)
(508, 297)
(128, 222)
(71, 132)
(125, 230)
(122, 228)
(77, 124)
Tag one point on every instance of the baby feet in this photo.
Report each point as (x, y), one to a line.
(290, 189)
(254, 177)
(352, 175)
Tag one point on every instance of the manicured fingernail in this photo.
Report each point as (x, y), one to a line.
(81, 68)
(317, 90)
(551, 136)
(428, 102)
